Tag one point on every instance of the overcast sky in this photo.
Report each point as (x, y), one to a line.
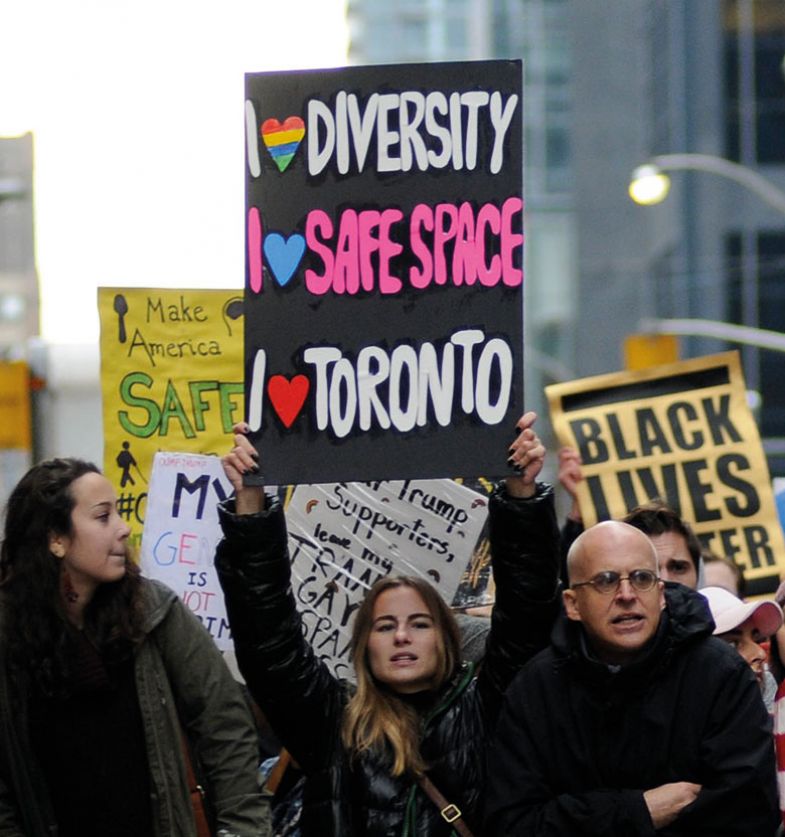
(137, 112)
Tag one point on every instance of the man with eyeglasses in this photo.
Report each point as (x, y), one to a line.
(636, 720)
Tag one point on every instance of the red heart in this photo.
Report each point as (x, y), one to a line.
(288, 397)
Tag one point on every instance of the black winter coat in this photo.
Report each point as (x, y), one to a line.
(304, 702)
(577, 744)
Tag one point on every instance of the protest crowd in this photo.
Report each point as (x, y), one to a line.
(610, 692)
(621, 685)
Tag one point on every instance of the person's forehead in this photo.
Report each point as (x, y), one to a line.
(617, 549)
(399, 601)
(670, 545)
(92, 489)
(719, 574)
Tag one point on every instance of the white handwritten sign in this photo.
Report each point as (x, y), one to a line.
(343, 537)
(181, 532)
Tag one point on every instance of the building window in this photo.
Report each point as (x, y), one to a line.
(768, 313)
(754, 80)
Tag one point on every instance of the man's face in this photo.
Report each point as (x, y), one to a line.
(618, 623)
(674, 559)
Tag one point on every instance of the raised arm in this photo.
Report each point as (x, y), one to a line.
(295, 690)
(525, 554)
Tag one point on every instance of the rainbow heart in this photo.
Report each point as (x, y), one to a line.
(287, 397)
(282, 141)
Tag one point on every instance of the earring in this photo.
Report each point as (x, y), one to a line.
(57, 551)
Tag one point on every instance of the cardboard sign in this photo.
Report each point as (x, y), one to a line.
(182, 531)
(477, 587)
(681, 432)
(384, 270)
(171, 379)
(344, 537)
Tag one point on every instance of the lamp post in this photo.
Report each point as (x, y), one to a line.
(649, 183)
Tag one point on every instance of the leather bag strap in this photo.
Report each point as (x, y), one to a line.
(196, 792)
(450, 813)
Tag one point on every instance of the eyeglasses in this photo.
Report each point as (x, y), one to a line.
(609, 581)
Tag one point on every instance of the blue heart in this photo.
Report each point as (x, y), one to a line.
(283, 255)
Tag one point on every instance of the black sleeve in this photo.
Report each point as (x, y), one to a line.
(738, 770)
(525, 554)
(520, 802)
(295, 690)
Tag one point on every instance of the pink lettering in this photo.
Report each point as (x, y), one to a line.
(442, 234)
(422, 216)
(464, 258)
(449, 243)
(511, 241)
(361, 236)
(346, 277)
(388, 249)
(318, 222)
(488, 217)
(185, 545)
(255, 274)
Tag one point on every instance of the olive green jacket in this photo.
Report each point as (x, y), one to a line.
(182, 683)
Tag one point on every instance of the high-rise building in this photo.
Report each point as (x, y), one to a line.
(674, 76)
(18, 278)
(538, 32)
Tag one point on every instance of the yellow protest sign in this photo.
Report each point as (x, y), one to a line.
(682, 432)
(171, 380)
(16, 436)
(15, 417)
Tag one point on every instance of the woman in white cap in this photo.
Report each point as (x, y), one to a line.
(746, 625)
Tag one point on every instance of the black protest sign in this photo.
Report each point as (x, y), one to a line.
(384, 270)
(683, 433)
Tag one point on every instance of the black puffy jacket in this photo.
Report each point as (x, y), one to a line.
(304, 702)
(578, 742)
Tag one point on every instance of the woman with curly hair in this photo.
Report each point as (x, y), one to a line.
(101, 672)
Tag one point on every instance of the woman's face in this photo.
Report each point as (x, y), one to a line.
(95, 551)
(747, 639)
(403, 643)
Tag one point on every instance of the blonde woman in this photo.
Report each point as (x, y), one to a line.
(417, 714)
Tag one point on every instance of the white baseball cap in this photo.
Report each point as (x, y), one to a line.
(729, 612)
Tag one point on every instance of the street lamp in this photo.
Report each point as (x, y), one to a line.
(649, 183)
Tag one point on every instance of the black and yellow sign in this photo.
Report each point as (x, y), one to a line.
(682, 432)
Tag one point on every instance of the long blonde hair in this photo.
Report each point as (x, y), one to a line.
(376, 715)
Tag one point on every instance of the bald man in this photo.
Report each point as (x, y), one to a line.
(636, 720)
